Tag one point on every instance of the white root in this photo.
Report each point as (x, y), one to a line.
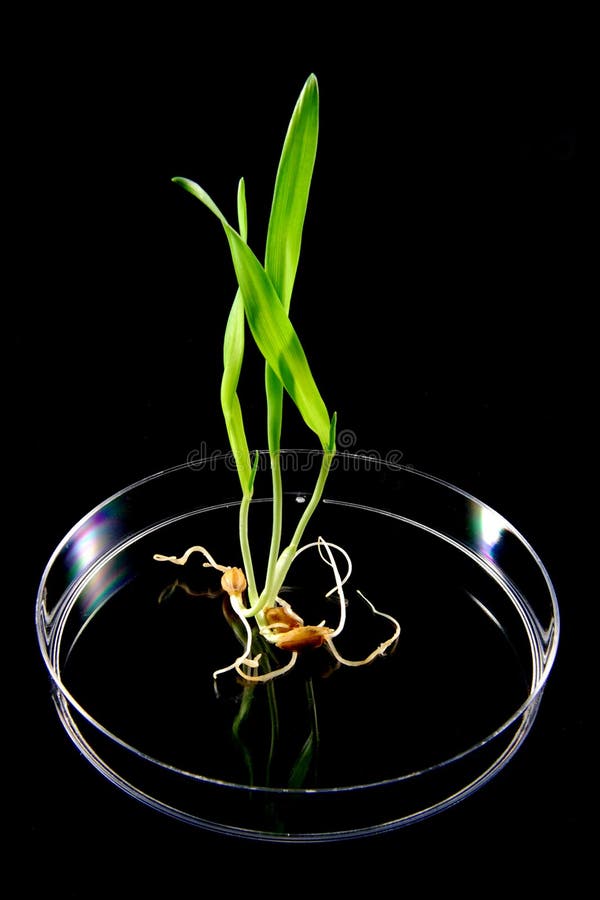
(237, 608)
(268, 676)
(181, 560)
(338, 584)
(379, 651)
(275, 630)
(322, 543)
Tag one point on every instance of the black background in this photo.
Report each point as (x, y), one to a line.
(440, 305)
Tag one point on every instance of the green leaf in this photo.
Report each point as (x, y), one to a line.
(233, 346)
(276, 337)
(234, 422)
(286, 222)
(200, 194)
(290, 196)
(270, 326)
(233, 355)
(242, 209)
(332, 433)
(302, 765)
(255, 463)
(274, 393)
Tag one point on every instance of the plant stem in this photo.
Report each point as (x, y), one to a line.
(286, 558)
(314, 500)
(274, 396)
(275, 457)
(245, 547)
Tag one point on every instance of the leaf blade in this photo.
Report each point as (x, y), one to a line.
(276, 337)
(271, 328)
(286, 223)
(233, 352)
(290, 196)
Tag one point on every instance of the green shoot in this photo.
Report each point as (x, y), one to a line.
(271, 328)
(262, 303)
(284, 239)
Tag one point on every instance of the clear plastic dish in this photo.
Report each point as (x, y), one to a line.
(325, 752)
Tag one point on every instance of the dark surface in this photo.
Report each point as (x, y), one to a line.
(439, 305)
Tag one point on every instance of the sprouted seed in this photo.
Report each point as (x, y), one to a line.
(282, 626)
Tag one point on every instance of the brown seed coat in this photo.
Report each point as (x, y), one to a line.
(303, 637)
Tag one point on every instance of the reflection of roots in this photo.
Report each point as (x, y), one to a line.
(181, 585)
(284, 628)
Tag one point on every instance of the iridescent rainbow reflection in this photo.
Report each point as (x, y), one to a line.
(92, 540)
(487, 529)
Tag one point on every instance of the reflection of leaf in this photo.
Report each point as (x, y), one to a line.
(307, 757)
(274, 720)
(245, 703)
(242, 715)
(248, 694)
(243, 727)
(301, 767)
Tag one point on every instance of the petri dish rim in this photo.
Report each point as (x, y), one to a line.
(41, 624)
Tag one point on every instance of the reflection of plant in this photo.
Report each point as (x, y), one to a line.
(263, 302)
(242, 729)
(302, 767)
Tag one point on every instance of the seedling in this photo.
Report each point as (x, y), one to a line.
(263, 302)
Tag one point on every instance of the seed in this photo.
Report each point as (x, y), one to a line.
(285, 617)
(234, 581)
(304, 637)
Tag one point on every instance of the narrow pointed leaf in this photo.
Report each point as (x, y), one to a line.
(233, 355)
(276, 337)
(200, 194)
(290, 196)
(270, 326)
(233, 347)
(232, 413)
(286, 222)
(242, 210)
